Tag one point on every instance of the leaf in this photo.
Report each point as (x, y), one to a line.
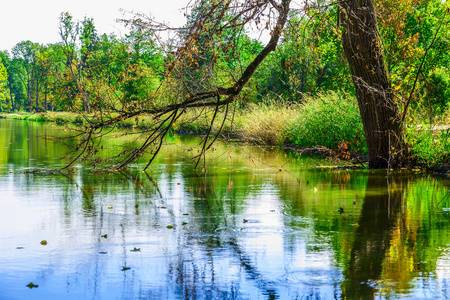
(169, 226)
(125, 268)
(44, 242)
(105, 236)
(136, 249)
(32, 285)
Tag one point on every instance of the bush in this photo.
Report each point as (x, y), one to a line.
(430, 147)
(329, 120)
(437, 92)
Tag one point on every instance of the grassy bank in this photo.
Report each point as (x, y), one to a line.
(329, 120)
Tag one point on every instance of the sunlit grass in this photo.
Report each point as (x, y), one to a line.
(263, 124)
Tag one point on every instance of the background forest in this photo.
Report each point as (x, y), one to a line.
(302, 94)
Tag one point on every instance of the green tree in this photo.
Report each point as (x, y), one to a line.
(309, 60)
(410, 30)
(25, 55)
(17, 92)
(78, 41)
(3, 86)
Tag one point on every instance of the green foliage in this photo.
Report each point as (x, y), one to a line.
(3, 89)
(437, 91)
(3, 73)
(329, 120)
(308, 61)
(428, 146)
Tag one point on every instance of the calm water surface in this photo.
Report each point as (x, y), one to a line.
(260, 224)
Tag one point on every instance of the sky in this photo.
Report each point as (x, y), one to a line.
(38, 21)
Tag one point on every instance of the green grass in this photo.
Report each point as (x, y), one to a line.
(328, 120)
(60, 117)
(429, 147)
(263, 124)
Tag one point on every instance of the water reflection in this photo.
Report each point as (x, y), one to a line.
(242, 230)
(382, 202)
(394, 250)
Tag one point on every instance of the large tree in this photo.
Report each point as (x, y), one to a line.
(3, 89)
(379, 110)
(25, 53)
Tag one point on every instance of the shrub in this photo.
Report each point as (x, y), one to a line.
(329, 120)
(436, 90)
(429, 146)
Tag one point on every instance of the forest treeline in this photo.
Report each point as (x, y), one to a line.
(85, 65)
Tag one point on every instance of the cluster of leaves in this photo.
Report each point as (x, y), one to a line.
(308, 61)
(412, 29)
(3, 78)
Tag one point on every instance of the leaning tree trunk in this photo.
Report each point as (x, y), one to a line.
(379, 111)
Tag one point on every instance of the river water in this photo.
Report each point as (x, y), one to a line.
(259, 224)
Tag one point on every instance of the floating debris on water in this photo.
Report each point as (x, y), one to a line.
(32, 285)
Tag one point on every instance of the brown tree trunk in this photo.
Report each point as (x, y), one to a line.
(37, 95)
(86, 102)
(11, 95)
(30, 95)
(379, 111)
(45, 97)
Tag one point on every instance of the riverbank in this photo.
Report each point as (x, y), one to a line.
(327, 125)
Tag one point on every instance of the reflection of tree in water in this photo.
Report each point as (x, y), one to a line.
(391, 242)
(373, 236)
(195, 278)
(197, 274)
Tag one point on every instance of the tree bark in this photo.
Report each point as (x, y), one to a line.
(11, 95)
(30, 94)
(45, 97)
(37, 95)
(379, 111)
